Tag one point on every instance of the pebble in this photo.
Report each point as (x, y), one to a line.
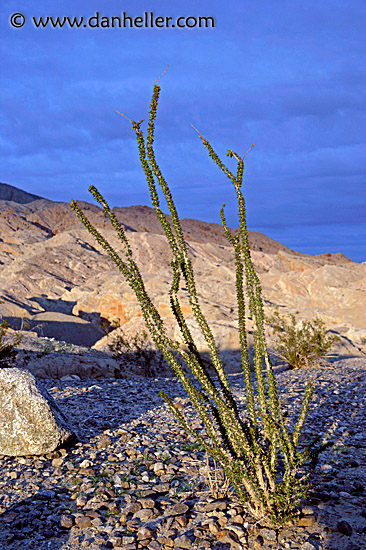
(137, 480)
(345, 528)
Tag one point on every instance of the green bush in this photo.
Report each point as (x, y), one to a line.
(135, 352)
(301, 346)
(108, 326)
(7, 345)
(259, 454)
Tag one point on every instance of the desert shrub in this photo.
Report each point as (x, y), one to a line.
(301, 345)
(7, 344)
(259, 454)
(108, 326)
(134, 353)
(137, 352)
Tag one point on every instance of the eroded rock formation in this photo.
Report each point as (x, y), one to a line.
(58, 280)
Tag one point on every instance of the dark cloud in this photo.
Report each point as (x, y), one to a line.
(288, 77)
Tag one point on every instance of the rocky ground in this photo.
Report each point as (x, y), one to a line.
(135, 480)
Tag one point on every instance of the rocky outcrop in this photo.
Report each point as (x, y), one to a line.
(58, 365)
(30, 421)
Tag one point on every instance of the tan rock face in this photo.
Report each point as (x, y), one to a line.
(51, 265)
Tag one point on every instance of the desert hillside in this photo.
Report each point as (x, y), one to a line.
(56, 277)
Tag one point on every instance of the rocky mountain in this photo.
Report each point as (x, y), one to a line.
(55, 278)
(11, 193)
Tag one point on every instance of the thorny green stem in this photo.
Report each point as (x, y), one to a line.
(259, 455)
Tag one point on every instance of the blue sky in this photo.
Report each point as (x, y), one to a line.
(288, 76)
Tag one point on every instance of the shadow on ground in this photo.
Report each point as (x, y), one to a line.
(34, 523)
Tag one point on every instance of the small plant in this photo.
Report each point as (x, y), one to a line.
(220, 485)
(125, 477)
(192, 447)
(187, 487)
(147, 459)
(71, 509)
(102, 478)
(110, 514)
(260, 455)
(137, 351)
(76, 481)
(47, 349)
(304, 345)
(343, 450)
(137, 469)
(128, 532)
(108, 326)
(7, 352)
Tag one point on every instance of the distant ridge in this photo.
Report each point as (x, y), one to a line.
(14, 194)
(55, 217)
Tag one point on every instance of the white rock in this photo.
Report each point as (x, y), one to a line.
(30, 421)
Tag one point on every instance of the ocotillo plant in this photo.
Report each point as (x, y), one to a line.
(260, 455)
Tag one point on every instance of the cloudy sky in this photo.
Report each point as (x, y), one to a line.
(288, 76)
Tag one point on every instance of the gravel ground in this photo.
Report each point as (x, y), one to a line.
(136, 480)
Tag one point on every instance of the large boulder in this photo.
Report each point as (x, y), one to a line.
(30, 421)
